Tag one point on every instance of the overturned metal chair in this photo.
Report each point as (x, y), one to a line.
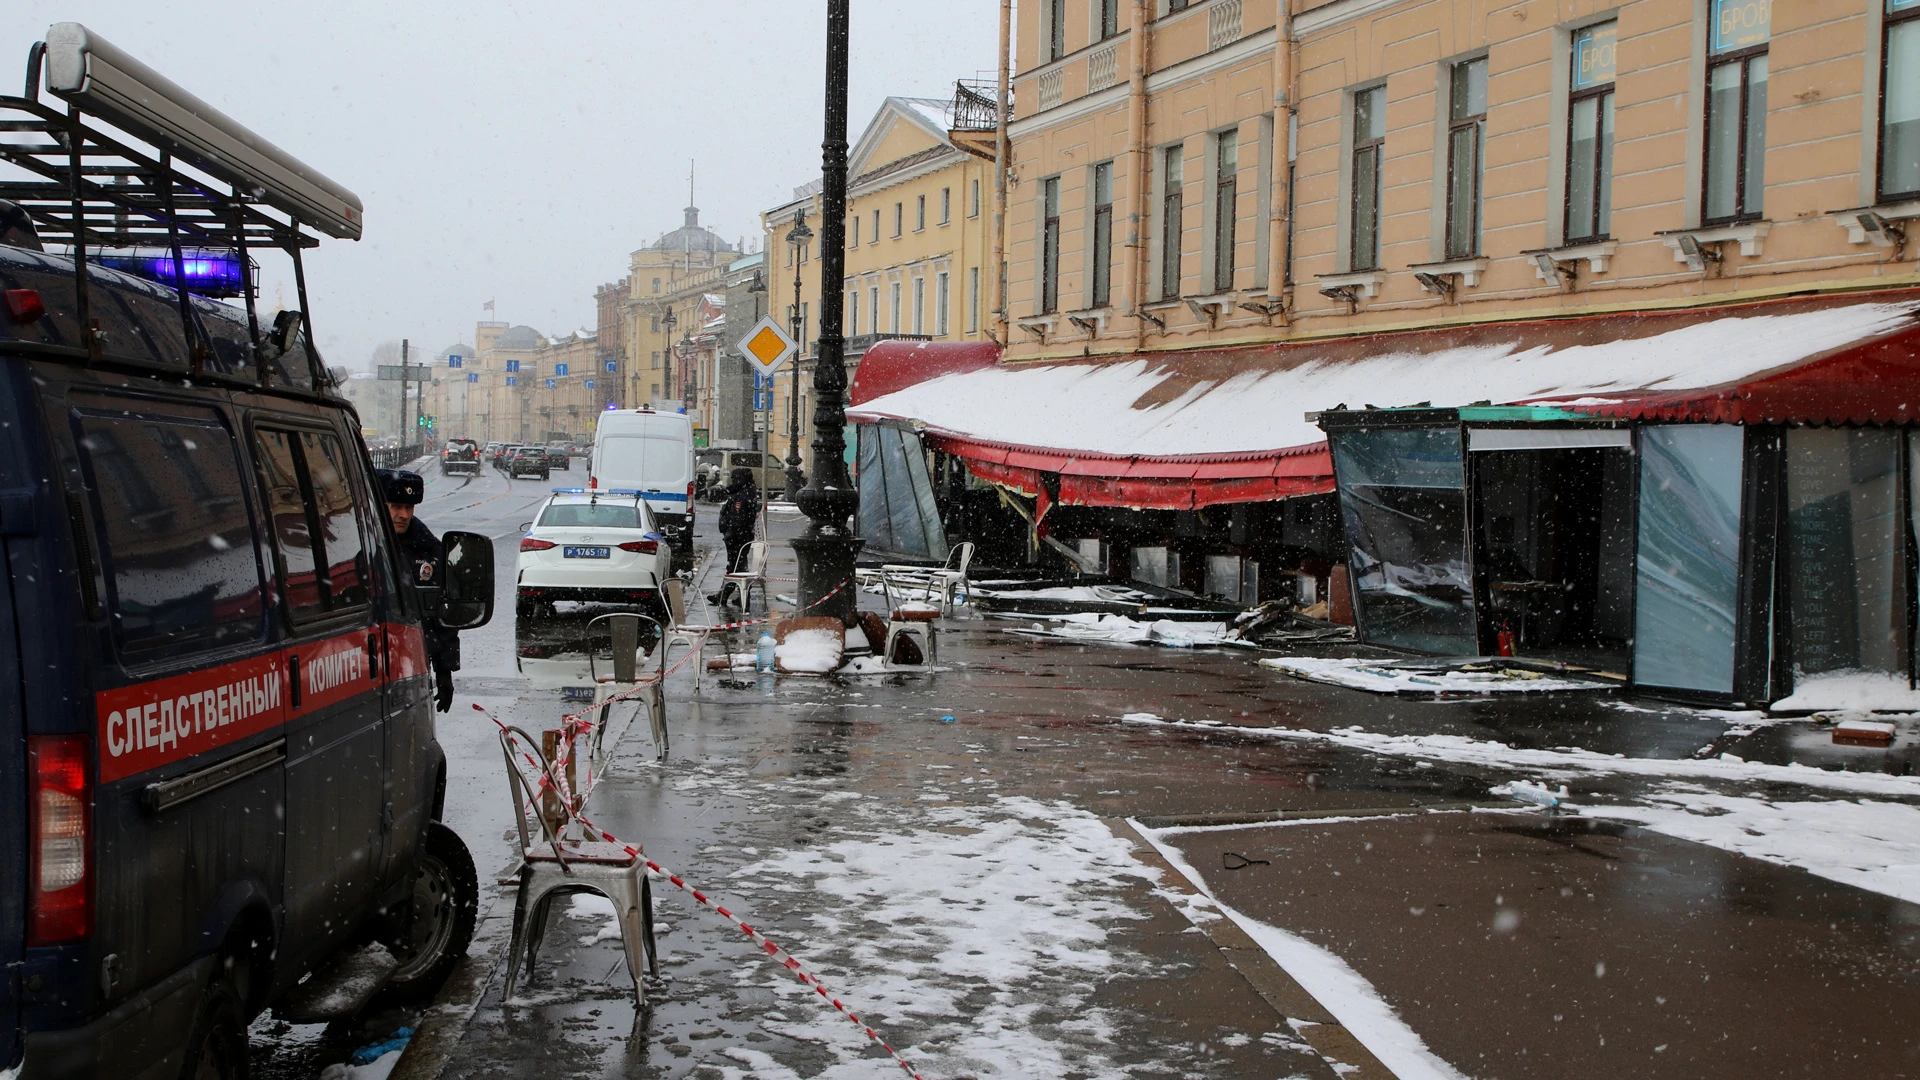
(552, 868)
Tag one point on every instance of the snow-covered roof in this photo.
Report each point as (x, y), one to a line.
(1256, 401)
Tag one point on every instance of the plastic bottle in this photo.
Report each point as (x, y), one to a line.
(763, 659)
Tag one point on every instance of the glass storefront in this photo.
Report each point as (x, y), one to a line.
(1847, 573)
(1686, 595)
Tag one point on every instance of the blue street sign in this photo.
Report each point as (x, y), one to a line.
(511, 381)
(473, 376)
(589, 384)
(453, 359)
(551, 384)
(513, 365)
(559, 369)
(613, 365)
(762, 400)
(763, 382)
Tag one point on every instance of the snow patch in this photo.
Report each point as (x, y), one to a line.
(1851, 691)
(810, 652)
(1103, 627)
(1369, 675)
(1869, 845)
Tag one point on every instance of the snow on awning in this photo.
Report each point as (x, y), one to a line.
(1185, 429)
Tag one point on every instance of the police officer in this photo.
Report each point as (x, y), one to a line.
(427, 560)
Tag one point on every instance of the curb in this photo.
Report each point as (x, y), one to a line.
(1298, 1009)
(444, 1022)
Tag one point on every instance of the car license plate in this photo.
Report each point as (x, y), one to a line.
(573, 552)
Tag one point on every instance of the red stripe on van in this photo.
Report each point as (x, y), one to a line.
(154, 723)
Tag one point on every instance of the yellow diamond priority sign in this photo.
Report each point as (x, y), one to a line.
(767, 346)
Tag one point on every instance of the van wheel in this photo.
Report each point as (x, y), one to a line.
(218, 1049)
(445, 903)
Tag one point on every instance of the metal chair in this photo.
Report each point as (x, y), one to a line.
(553, 867)
(951, 580)
(627, 672)
(750, 571)
(909, 618)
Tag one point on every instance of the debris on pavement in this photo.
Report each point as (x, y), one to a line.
(1119, 628)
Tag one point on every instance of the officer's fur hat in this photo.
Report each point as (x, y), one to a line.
(400, 486)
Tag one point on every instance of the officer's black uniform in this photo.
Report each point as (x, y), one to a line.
(426, 558)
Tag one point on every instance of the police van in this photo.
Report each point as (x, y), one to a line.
(652, 453)
(221, 786)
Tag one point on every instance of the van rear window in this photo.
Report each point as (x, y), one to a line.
(179, 548)
(642, 461)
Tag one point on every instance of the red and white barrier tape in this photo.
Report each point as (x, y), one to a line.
(553, 777)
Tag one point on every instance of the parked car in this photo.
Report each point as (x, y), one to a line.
(558, 457)
(592, 546)
(218, 754)
(491, 453)
(716, 465)
(462, 456)
(501, 455)
(528, 461)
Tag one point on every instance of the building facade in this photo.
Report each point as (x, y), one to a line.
(666, 282)
(1231, 172)
(919, 216)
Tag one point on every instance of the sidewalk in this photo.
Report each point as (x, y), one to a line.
(950, 851)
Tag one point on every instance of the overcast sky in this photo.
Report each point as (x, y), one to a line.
(518, 152)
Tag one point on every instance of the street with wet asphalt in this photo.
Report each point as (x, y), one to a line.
(1066, 859)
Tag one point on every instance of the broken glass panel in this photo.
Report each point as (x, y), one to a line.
(1687, 590)
(1404, 502)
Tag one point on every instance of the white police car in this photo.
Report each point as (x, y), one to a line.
(592, 547)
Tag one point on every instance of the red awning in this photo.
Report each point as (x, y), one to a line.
(1183, 430)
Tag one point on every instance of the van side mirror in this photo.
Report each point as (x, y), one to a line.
(466, 597)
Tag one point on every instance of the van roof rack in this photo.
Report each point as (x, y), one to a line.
(171, 171)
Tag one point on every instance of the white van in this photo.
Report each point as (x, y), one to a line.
(650, 452)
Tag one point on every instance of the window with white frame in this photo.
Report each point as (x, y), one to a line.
(1172, 210)
(919, 212)
(974, 210)
(873, 307)
(1466, 155)
(853, 312)
(1050, 245)
(1366, 184)
(940, 291)
(893, 302)
(1101, 245)
(1899, 173)
(973, 299)
(1734, 179)
(1226, 194)
(1590, 134)
(946, 205)
(919, 305)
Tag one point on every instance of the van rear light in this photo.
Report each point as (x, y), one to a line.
(689, 494)
(644, 547)
(25, 305)
(60, 896)
(528, 543)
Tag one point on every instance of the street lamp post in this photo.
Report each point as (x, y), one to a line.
(666, 334)
(797, 239)
(826, 551)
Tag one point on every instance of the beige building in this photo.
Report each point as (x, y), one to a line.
(667, 282)
(919, 245)
(1446, 163)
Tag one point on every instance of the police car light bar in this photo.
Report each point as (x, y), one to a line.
(210, 271)
(90, 72)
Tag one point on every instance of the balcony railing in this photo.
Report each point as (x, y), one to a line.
(975, 105)
(1053, 88)
(1103, 68)
(1223, 23)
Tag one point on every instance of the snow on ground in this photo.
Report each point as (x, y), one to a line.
(1332, 982)
(809, 652)
(1869, 845)
(1092, 627)
(984, 926)
(1852, 691)
(1369, 675)
(1567, 762)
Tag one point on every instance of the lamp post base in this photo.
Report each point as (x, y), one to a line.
(826, 574)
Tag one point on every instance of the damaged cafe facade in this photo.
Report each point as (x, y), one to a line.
(1587, 337)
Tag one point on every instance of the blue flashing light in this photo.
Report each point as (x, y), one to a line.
(569, 491)
(209, 271)
(612, 407)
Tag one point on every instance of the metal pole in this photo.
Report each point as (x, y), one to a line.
(827, 549)
(405, 431)
(1002, 160)
(794, 483)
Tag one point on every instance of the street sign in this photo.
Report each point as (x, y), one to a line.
(473, 376)
(762, 400)
(513, 365)
(613, 367)
(763, 382)
(551, 384)
(589, 384)
(396, 372)
(559, 369)
(766, 346)
(760, 422)
(511, 380)
(453, 360)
